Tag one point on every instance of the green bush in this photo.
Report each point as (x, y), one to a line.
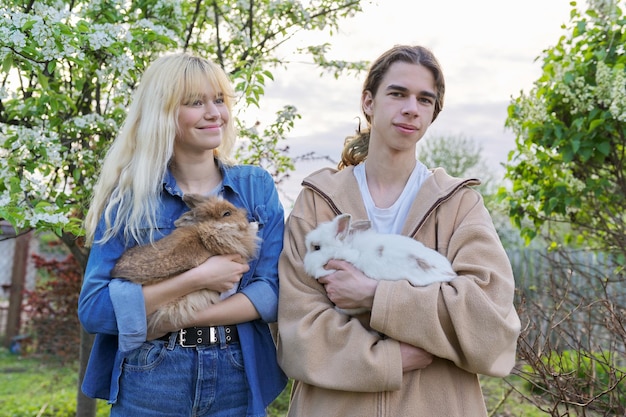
(51, 309)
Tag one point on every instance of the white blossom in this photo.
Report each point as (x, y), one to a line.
(5, 198)
(611, 90)
(158, 29)
(34, 218)
(103, 35)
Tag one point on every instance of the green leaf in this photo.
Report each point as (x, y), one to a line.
(604, 148)
(7, 63)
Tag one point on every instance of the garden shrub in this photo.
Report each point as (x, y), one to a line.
(52, 308)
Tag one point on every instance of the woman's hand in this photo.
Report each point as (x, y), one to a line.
(348, 287)
(220, 273)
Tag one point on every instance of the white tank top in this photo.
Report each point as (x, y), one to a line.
(391, 219)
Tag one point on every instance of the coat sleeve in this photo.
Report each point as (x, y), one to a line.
(471, 320)
(317, 344)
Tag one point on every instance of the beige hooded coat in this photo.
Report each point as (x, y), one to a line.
(470, 325)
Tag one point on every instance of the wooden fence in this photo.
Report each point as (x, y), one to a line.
(571, 300)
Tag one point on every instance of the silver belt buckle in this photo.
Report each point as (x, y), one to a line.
(182, 339)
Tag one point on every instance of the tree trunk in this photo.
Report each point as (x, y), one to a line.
(18, 278)
(85, 406)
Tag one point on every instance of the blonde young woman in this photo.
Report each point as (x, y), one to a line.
(420, 349)
(176, 140)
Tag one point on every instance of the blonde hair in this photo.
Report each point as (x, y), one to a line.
(131, 179)
(356, 147)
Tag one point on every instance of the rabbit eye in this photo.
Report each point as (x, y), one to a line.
(317, 247)
(226, 213)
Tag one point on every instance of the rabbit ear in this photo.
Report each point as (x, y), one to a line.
(343, 225)
(192, 200)
(186, 219)
(361, 225)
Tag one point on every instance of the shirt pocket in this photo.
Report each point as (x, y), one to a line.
(164, 226)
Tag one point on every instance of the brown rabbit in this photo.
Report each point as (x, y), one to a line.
(212, 226)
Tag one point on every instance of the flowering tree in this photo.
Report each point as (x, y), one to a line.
(569, 161)
(69, 68)
(568, 182)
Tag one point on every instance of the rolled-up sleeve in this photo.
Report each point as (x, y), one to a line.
(262, 288)
(130, 312)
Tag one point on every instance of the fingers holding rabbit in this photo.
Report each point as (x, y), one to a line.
(220, 273)
(347, 287)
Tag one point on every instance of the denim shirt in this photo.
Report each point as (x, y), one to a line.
(105, 301)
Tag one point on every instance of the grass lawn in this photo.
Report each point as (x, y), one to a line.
(32, 387)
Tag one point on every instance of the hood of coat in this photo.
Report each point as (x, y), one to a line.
(341, 191)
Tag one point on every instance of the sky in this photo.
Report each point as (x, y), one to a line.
(488, 51)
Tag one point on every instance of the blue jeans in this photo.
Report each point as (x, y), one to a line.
(164, 379)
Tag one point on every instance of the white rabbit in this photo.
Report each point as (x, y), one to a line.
(379, 256)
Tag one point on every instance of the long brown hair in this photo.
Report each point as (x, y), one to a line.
(356, 147)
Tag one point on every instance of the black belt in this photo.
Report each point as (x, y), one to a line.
(194, 336)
